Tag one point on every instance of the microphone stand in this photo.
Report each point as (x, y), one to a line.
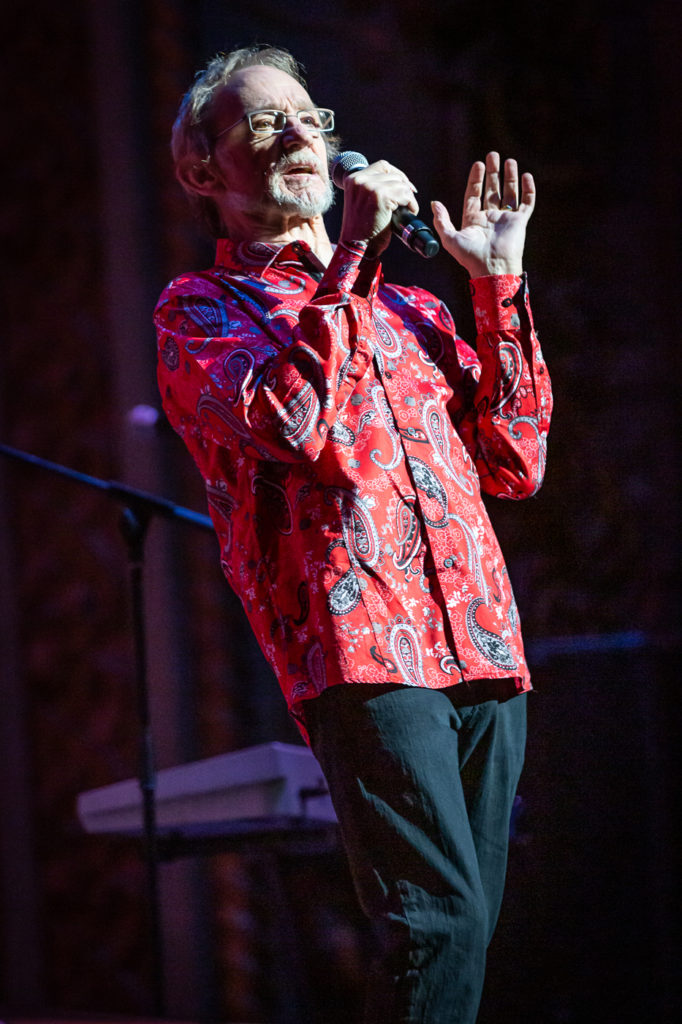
(138, 510)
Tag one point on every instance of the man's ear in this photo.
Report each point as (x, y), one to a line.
(198, 175)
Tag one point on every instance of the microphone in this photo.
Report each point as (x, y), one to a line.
(405, 225)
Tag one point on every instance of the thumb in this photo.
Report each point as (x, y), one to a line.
(441, 221)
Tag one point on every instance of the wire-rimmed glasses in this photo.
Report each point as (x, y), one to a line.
(263, 123)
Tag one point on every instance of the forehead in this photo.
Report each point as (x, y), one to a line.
(259, 86)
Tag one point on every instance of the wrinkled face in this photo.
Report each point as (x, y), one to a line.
(281, 174)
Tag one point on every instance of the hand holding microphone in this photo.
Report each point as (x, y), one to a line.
(379, 199)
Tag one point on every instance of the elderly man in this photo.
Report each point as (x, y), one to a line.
(344, 433)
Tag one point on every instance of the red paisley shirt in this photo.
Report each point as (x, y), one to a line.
(344, 433)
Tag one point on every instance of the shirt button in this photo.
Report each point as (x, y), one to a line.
(448, 563)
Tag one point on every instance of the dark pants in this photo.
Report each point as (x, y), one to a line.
(423, 790)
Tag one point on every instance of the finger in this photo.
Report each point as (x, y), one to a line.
(510, 196)
(442, 221)
(393, 185)
(386, 170)
(395, 189)
(412, 204)
(493, 195)
(401, 198)
(527, 194)
(473, 192)
(387, 184)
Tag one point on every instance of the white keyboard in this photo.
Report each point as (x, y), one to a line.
(269, 781)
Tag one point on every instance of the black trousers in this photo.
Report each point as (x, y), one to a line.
(423, 789)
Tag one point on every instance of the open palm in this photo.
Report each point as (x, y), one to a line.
(494, 218)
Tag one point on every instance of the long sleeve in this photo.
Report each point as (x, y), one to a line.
(224, 370)
(512, 403)
(501, 393)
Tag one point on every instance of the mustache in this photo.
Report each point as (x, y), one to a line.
(301, 156)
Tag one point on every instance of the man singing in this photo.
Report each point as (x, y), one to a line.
(344, 433)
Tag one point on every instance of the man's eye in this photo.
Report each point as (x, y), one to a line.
(263, 122)
(310, 120)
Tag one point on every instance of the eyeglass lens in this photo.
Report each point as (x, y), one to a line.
(264, 122)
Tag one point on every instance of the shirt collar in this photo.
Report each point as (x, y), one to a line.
(256, 258)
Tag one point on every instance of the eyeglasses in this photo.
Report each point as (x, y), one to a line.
(272, 122)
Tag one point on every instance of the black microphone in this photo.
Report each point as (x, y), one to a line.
(405, 225)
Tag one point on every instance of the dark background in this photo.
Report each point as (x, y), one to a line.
(587, 96)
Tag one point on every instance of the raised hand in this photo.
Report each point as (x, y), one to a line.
(494, 219)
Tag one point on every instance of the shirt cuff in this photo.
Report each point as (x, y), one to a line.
(498, 301)
(349, 271)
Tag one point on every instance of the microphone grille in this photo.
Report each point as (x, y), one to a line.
(345, 163)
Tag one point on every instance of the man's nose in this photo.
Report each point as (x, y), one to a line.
(296, 132)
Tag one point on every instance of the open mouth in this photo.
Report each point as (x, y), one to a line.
(299, 169)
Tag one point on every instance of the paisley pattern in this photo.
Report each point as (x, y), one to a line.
(359, 532)
(538, 442)
(344, 433)
(222, 505)
(385, 417)
(344, 596)
(428, 482)
(438, 431)
(407, 531)
(404, 645)
(487, 642)
(300, 415)
(238, 368)
(473, 558)
(170, 354)
(276, 502)
(387, 339)
(511, 368)
(211, 316)
(314, 661)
